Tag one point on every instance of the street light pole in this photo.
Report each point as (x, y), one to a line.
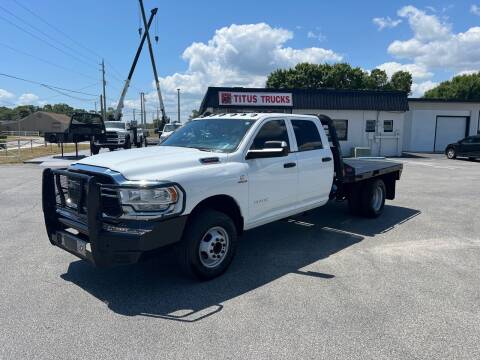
(178, 105)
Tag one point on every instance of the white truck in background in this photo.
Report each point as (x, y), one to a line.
(168, 130)
(120, 135)
(211, 180)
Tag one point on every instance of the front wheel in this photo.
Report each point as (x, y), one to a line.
(128, 143)
(208, 245)
(94, 149)
(451, 153)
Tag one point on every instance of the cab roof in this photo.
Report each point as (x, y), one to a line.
(252, 116)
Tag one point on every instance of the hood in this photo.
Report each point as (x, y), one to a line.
(138, 164)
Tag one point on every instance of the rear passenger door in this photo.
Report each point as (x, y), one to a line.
(315, 162)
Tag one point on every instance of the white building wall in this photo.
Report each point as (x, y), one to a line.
(420, 122)
(380, 142)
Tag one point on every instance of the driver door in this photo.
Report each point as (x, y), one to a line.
(272, 181)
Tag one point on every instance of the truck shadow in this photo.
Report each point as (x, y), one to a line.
(158, 289)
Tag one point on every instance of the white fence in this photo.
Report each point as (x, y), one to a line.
(14, 147)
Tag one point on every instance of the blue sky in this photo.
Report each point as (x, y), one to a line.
(224, 43)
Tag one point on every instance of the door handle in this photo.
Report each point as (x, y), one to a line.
(289, 165)
(325, 159)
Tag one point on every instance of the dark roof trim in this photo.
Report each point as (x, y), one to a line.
(426, 100)
(326, 99)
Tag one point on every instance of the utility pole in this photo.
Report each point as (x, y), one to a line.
(178, 105)
(142, 108)
(104, 95)
(101, 106)
(133, 115)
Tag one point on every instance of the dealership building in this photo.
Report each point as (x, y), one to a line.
(382, 123)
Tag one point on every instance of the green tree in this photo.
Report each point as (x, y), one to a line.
(194, 114)
(460, 87)
(377, 79)
(401, 80)
(24, 110)
(337, 76)
(6, 113)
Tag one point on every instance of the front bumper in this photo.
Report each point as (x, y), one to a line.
(90, 235)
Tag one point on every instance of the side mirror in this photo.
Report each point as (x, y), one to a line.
(270, 149)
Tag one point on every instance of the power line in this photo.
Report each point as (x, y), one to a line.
(46, 85)
(56, 29)
(118, 77)
(43, 40)
(47, 61)
(45, 34)
(83, 88)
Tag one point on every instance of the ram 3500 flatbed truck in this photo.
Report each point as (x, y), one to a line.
(208, 182)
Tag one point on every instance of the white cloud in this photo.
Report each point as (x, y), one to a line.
(475, 9)
(467, 72)
(425, 27)
(27, 99)
(418, 89)
(5, 97)
(434, 45)
(418, 71)
(237, 55)
(316, 35)
(386, 22)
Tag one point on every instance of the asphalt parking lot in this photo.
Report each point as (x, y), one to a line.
(323, 285)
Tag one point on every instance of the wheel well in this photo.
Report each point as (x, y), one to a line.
(225, 204)
(390, 180)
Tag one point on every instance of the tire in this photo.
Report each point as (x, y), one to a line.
(111, 148)
(208, 245)
(373, 198)
(128, 143)
(472, 158)
(451, 153)
(95, 149)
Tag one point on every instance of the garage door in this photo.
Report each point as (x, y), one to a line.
(449, 130)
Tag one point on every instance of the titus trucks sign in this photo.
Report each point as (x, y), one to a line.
(226, 98)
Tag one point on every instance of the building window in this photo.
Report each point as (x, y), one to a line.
(307, 135)
(388, 125)
(342, 129)
(370, 126)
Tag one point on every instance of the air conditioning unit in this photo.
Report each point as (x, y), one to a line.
(361, 151)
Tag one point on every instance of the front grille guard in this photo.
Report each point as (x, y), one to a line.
(89, 210)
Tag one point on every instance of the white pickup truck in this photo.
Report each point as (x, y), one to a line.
(119, 135)
(208, 182)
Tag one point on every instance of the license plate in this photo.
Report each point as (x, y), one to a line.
(73, 244)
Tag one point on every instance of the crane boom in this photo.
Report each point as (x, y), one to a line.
(118, 112)
(152, 58)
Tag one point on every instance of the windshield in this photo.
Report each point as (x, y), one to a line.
(222, 135)
(171, 127)
(115, 124)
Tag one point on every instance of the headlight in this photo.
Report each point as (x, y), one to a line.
(161, 199)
